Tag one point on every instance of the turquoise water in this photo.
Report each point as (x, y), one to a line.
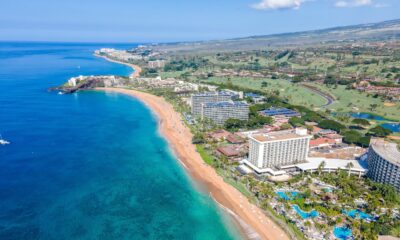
(287, 195)
(355, 213)
(394, 127)
(89, 165)
(342, 233)
(305, 215)
(366, 116)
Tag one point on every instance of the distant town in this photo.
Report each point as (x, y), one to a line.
(320, 172)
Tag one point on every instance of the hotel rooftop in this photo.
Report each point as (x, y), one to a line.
(226, 104)
(386, 150)
(280, 135)
(279, 111)
(220, 93)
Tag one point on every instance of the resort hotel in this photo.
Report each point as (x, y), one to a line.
(384, 162)
(197, 100)
(285, 152)
(271, 150)
(219, 112)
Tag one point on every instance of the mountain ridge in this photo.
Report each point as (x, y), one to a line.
(369, 32)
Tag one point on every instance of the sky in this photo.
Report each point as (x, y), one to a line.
(148, 21)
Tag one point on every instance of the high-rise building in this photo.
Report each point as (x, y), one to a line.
(210, 97)
(219, 112)
(384, 162)
(275, 149)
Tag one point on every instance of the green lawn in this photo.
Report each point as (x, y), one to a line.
(347, 100)
(176, 74)
(296, 94)
(350, 100)
(207, 158)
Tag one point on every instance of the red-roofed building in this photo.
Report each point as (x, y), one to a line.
(229, 151)
(219, 135)
(338, 138)
(321, 142)
(235, 139)
(316, 130)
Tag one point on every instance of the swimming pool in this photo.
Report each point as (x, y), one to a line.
(287, 195)
(342, 233)
(305, 215)
(355, 213)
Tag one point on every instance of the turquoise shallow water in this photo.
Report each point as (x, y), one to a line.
(89, 165)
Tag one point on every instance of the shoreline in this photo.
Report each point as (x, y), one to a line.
(136, 69)
(250, 218)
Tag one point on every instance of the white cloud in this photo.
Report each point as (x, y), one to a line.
(295, 4)
(278, 4)
(353, 3)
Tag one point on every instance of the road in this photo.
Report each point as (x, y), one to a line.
(329, 99)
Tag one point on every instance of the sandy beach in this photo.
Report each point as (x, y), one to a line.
(136, 68)
(179, 138)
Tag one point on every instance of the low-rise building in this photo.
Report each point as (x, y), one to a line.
(235, 139)
(356, 167)
(232, 151)
(156, 64)
(321, 142)
(219, 135)
(336, 137)
(288, 113)
(219, 112)
(256, 98)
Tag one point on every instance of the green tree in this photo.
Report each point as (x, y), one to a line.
(349, 166)
(264, 84)
(373, 106)
(321, 166)
(361, 122)
(233, 124)
(296, 121)
(331, 124)
(379, 131)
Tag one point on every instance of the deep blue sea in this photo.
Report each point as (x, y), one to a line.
(89, 165)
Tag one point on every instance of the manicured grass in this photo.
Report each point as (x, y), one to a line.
(347, 99)
(240, 187)
(176, 74)
(296, 94)
(208, 158)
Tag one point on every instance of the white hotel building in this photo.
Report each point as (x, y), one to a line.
(384, 162)
(219, 112)
(272, 150)
(197, 100)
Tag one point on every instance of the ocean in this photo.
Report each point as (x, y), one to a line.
(89, 165)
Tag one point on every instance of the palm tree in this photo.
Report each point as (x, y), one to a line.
(320, 167)
(349, 166)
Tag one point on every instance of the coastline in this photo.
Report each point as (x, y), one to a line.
(251, 219)
(136, 69)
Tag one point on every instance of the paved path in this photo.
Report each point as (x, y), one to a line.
(329, 99)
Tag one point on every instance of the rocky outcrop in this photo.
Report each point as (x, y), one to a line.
(83, 85)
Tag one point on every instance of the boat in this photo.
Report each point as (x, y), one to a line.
(2, 141)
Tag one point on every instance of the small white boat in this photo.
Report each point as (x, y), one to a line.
(3, 142)
(60, 93)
